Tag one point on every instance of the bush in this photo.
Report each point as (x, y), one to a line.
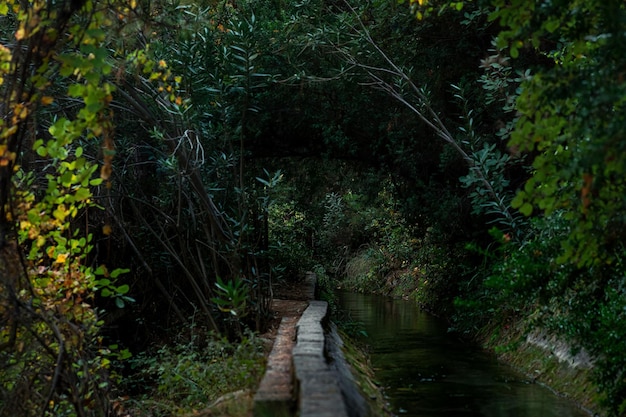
(524, 285)
(192, 373)
(362, 272)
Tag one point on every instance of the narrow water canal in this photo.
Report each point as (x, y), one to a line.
(427, 372)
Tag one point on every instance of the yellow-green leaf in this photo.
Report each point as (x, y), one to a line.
(82, 194)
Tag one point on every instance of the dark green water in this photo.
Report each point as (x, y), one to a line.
(427, 372)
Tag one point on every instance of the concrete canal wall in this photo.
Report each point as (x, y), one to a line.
(314, 371)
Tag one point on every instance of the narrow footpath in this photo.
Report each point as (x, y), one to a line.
(304, 374)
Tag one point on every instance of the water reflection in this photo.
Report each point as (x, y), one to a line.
(427, 372)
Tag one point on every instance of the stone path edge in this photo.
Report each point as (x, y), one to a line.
(319, 387)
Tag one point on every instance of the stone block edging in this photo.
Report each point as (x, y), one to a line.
(308, 378)
(317, 388)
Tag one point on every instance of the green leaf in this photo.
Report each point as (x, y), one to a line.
(124, 354)
(123, 289)
(76, 90)
(262, 181)
(552, 25)
(526, 209)
(119, 271)
(518, 200)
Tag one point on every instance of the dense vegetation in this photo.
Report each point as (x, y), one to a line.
(163, 164)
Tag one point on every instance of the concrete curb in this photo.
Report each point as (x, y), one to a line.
(317, 386)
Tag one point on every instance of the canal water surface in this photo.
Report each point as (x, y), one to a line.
(427, 372)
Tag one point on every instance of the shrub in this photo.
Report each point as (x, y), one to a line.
(193, 372)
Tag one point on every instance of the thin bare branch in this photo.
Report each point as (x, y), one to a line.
(422, 108)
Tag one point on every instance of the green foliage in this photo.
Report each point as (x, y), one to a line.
(362, 272)
(512, 277)
(568, 267)
(326, 286)
(53, 359)
(386, 67)
(424, 8)
(236, 132)
(391, 246)
(193, 373)
(196, 207)
(593, 317)
(493, 198)
(607, 342)
(106, 286)
(526, 283)
(289, 236)
(321, 220)
(232, 297)
(568, 116)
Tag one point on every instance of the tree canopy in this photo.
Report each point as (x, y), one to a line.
(166, 160)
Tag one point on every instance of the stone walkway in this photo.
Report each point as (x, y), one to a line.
(298, 379)
(275, 395)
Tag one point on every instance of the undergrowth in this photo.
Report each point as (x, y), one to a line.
(192, 373)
